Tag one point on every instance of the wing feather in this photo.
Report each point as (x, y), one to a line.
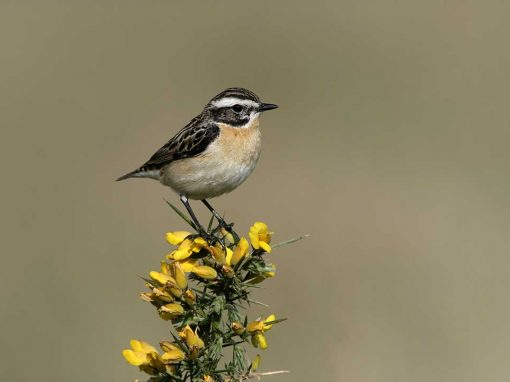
(191, 141)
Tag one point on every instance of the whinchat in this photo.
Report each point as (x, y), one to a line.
(214, 153)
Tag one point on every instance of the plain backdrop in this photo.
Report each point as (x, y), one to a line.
(390, 148)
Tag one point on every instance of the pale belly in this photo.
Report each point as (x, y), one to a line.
(220, 169)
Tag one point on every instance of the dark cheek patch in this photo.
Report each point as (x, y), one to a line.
(229, 117)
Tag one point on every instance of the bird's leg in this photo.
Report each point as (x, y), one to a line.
(222, 222)
(198, 226)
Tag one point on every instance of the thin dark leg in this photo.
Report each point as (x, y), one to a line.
(198, 226)
(213, 211)
(222, 222)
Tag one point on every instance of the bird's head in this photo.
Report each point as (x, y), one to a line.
(236, 107)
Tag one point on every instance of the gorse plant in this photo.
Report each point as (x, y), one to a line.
(203, 288)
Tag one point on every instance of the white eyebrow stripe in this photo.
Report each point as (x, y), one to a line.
(231, 101)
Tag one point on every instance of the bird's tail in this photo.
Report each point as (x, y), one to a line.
(129, 175)
(142, 172)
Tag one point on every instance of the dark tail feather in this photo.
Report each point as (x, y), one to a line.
(128, 175)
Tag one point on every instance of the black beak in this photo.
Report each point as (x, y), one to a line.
(267, 106)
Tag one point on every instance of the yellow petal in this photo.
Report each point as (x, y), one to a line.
(196, 342)
(166, 316)
(142, 346)
(177, 237)
(181, 253)
(136, 345)
(255, 364)
(254, 238)
(205, 272)
(240, 251)
(260, 226)
(134, 357)
(180, 276)
(165, 268)
(228, 257)
(161, 278)
(191, 337)
(266, 247)
(218, 254)
(255, 326)
(238, 328)
(270, 318)
(173, 308)
(189, 297)
(173, 355)
(162, 295)
(167, 346)
(227, 235)
(156, 362)
(258, 340)
(188, 265)
(200, 242)
(227, 271)
(146, 296)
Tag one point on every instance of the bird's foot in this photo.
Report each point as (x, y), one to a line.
(202, 233)
(227, 226)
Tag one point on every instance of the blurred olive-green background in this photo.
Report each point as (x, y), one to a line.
(390, 148)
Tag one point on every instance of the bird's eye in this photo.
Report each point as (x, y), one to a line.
(237, 108)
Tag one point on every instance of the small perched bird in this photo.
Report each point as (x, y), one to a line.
(214, 153)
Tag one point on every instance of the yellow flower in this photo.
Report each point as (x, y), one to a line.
(171, 353)
(207, 378)
(188, 264)
(167, 281)
(170, 311)
(187, 248)
(227, 235)
(257, 329)
(139, 353)
(238, 328)
(190, 297)
(240, 251)
(260, 236)
(255, 326)
(167, 346)
(227, 271)
(177, 237)
(191, 337)
(220, 255)
(162, 278)
(157, 295)
(205, 272)
(264, 275)
(194, 342)
(147, 296)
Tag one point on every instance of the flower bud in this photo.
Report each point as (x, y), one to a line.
(205, 272)
(190, 297)
(238, 328)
